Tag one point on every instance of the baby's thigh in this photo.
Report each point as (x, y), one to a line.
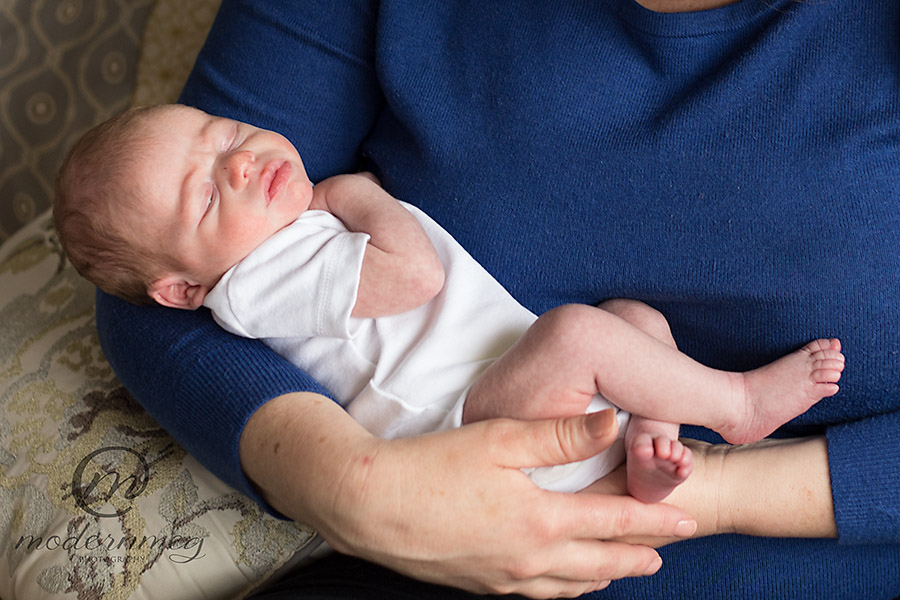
(550, 372)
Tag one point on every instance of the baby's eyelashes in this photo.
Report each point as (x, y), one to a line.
(229, 141)
(210, 196)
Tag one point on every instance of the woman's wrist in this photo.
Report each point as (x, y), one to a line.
(789, 484)
(699, 495)
(773, 488)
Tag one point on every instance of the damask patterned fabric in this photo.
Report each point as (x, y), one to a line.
(174, 35)
(65, 65)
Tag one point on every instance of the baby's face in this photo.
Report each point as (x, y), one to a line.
(214, 189)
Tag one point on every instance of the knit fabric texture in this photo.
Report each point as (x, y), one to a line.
(734, 168)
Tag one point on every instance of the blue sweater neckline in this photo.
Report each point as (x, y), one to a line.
(698, 23)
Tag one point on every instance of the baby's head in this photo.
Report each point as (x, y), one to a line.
(158, 203)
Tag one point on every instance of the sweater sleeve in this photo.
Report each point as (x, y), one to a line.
(320, 90)
(864, 459)
(199, 382)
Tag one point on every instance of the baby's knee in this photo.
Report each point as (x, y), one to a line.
(567, 322)
(642, 316)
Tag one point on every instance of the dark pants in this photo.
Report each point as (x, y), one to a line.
(342, 577)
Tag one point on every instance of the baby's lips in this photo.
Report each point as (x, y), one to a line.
(275, 178)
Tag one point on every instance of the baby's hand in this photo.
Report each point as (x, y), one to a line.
(346, 185)
(318, 201)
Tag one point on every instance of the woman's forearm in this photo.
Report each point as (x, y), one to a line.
(185, 370)
(773, 488)
(296, 450)
(454, 507)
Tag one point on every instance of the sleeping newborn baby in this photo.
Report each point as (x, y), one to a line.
(370, 296)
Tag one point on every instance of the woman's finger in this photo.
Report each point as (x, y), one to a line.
(549, 587)
(604, 517)
(593, 561)
(524, 444)
(583, 567)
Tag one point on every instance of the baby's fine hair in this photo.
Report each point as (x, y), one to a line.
(95, 210)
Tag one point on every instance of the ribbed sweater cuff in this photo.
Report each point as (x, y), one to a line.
(864, 458)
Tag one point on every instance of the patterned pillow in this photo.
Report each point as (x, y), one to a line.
(96, 501)
(64, 66)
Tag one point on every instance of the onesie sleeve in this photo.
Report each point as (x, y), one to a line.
(864, 460)
(317, 87)
(300, 283)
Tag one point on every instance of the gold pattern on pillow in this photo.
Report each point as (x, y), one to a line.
(96, 501)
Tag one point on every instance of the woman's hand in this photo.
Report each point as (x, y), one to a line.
(454, 507)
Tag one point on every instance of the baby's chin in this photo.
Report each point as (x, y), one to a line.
(298, 198)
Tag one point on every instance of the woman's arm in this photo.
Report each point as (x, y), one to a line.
(773, 488)
(838, 485)
(454, 507)
(200, 383)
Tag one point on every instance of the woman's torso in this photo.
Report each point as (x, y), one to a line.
(737, 169)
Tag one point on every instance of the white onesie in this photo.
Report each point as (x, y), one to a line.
(399, 375)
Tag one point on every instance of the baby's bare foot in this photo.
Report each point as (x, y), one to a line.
(778, 392)
(656, 466)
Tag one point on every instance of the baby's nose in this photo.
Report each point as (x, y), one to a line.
(237, 167)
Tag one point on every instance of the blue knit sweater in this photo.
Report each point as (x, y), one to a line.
(738, 169)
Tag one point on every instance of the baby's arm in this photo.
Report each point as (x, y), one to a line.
(401, 269)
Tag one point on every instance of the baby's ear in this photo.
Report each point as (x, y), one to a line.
(176, 291)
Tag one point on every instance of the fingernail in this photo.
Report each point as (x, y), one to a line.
(686, 528)
(654, 566)
(599, 423)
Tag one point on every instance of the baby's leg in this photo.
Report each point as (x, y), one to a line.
(656, 462)
(622, 350)
(561, 362)
(574, 351)
(552, 373)
(549, 372)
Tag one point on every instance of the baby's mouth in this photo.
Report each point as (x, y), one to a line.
(274, 179)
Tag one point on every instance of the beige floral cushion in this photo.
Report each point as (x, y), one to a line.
(96, 501)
